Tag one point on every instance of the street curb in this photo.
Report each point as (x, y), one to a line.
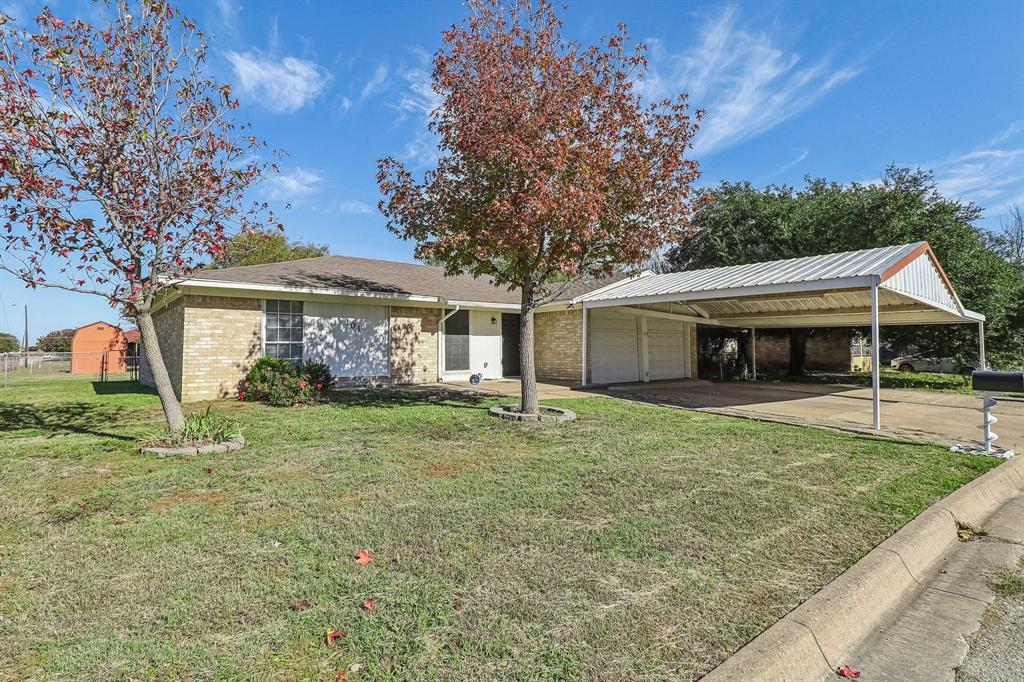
(812, 640)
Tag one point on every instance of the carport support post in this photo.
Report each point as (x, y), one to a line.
(981, 346)
(876, 407)
(753, 351)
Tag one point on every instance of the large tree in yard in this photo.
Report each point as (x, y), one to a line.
(121, 165)
(270, 246)
(550, 166)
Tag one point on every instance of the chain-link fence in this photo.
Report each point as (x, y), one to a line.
(97, 366)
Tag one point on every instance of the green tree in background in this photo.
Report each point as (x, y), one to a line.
(257, 248)
(57, 341)
(9, 343)
(745, 224)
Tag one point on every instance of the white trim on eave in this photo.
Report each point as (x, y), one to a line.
(757, 290)
(323, 291)
(258, 288)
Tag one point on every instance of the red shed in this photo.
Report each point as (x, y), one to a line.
(98, 347)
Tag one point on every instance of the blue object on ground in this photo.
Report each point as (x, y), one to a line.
(475, 379)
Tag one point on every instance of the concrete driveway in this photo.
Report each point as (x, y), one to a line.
(927, 416)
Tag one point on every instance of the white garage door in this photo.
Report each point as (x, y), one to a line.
(352, 339)
(614, 351)
(666, 348)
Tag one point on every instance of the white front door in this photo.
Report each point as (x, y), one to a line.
(614, 347)
(352, 339)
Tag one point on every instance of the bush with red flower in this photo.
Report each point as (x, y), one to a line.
(280, 383)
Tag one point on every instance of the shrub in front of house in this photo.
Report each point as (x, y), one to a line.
(282, 384)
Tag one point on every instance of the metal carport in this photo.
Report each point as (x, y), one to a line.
(897, 285)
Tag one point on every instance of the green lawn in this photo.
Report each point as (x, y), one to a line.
(887, 378)
(638, 542)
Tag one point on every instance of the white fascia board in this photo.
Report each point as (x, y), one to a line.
(973, 316)
(279, 288)
(859, 319)
(738, 292)
(349, 293)
(477, 305)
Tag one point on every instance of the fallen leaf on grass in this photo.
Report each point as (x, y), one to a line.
(369, 604)
(335, 634)
(301, 606)
(342, 676)
(209, 470)
(83, 506)
(363, 557)
(847, 672)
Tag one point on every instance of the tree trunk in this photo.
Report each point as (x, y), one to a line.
(797, 352)
(161, 379)
(528, 404)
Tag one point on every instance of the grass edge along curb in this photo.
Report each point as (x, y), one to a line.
(812, 639)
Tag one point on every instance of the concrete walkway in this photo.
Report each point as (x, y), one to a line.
(927, 416)
(927, 640)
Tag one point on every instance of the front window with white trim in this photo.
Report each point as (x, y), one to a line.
(283, 330)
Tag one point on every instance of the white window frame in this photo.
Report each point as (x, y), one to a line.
(263, 325)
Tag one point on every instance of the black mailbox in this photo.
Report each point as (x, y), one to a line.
(1003, 382)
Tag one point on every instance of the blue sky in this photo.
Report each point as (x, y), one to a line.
(838, 90)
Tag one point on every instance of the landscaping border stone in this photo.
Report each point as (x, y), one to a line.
(547, 414)
(810, 641)
(227, 446)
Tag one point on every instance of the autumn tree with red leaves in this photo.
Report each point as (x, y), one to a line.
(121, 165)
(551, 167)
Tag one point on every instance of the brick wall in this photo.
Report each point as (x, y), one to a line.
(829, 352)
(414, 345)
(557, 344)
(169, 322)
(222, 339)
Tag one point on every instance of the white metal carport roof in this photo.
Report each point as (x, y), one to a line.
(895, 285)
(815, 291)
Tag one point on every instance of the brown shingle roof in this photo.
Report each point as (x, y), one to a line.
(381, 276)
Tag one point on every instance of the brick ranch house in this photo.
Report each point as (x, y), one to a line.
(380, 322)
(376, 321)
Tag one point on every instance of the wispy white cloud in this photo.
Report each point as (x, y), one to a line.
(422, 149)
(419, 96)
(298, 184)
(746, 82)
(228, 10)
(418, 100)
(991, 174)
(354, 206)
(344, 104)
(795, 162)
(376, 83)
(281, 85)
